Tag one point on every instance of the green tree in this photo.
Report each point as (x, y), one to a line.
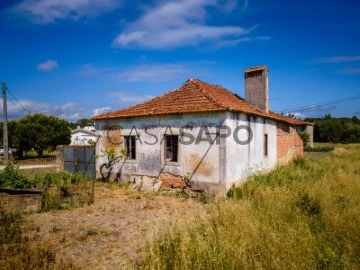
(332, 129)
(305, 137)
(355, 120)
(82, 122)
(40, 132)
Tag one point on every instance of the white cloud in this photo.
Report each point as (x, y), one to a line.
(101, 110)
(69, 111)
(177, 23)
(48, 65)
(88, 70)
(234, 42)
(312, 109)
(52, 10)
(72, 117)
(128, 97)
(153, 72)
(229, 5)
(298, 115)
(336, 59)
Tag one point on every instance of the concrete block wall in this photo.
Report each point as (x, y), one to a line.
(310, 129)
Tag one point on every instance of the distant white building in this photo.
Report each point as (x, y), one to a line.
(82, 136)
(90, 128)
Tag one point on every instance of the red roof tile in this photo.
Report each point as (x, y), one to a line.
(194, 96)
(258, 68)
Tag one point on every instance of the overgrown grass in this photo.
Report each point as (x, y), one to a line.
(319, 149)
(18, 251)
(65, 190)
(305, 215)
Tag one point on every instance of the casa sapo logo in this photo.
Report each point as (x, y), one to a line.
(242, 134)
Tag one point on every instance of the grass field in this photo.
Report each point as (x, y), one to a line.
(305, 215)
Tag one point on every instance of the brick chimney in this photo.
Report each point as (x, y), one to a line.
(256, 87)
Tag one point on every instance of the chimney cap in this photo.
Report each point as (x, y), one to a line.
(256, 68)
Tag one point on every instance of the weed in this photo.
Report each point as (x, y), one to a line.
(309, 206)
(91, 232)
(12, 178)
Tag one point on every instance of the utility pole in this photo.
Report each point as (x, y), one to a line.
(5, 126)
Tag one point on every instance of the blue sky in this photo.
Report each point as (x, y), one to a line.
(76, 58)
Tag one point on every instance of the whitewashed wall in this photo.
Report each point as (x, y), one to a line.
(245, 159)
(202, 159)
(224, 162)
(82, 138)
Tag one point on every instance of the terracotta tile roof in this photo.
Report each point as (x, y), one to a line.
(255, 69)
(193, 96)
(290, 120)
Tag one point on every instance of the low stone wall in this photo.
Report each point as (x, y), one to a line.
(21, 201)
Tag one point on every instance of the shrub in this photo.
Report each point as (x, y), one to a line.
(64, 190)
(308, 205)
(12, 178)
(235, 192)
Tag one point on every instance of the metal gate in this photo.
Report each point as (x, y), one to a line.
(80, 159)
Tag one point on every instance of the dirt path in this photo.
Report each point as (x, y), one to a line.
(110, 233)
(34, 166)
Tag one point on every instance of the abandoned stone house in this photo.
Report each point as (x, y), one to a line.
(201, 131)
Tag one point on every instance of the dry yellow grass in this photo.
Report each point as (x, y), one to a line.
(111, 233)
(305, 215)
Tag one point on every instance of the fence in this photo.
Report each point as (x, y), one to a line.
(37, 161)
(80, 159)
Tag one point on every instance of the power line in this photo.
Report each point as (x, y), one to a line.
(319, 105)
(18, 102)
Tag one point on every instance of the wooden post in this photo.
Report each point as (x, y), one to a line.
(5, 126)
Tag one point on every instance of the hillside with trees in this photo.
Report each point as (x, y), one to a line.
(336, 130)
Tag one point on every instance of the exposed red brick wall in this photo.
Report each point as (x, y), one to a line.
(172, 181)
(289, 143)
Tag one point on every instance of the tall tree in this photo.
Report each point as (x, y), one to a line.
(82, 122)
(40, 131)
